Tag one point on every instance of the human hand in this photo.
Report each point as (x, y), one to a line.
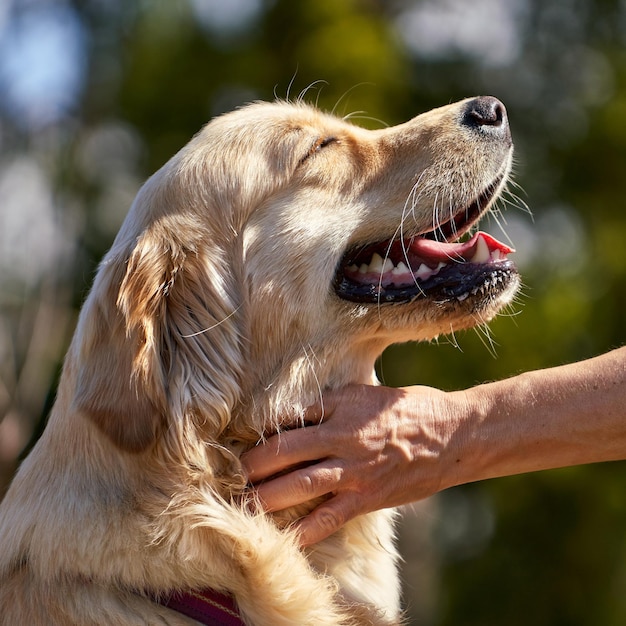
(367, 447)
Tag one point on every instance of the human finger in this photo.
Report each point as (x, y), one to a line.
(300, 486)
(282, 451)
(327, 518)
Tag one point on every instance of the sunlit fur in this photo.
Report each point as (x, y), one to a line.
(210, 319)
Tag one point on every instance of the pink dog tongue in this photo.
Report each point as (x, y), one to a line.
(438, 251)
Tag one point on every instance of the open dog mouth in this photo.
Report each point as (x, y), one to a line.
(434, 265)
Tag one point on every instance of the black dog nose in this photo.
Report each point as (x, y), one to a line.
(488, 115)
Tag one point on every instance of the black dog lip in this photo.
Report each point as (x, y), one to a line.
(454, 282)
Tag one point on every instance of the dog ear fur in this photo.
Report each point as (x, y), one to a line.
(159, 337)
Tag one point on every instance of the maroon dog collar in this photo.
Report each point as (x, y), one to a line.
(207, 607)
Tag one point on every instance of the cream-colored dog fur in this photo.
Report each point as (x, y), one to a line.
(212, 316)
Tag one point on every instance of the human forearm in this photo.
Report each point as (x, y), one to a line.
(557, 417)
(376, 447)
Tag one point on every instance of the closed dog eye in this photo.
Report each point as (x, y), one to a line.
(322, 142)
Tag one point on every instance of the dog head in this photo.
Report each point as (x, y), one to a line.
(367, 243)
(282, 249)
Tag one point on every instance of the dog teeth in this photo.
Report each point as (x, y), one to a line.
(379, 266)
(424, 272)
(482, 254)
(376, 264)
(382, 265)
(399, 269)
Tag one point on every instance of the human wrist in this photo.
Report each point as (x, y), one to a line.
(465, 412)
(505, 432)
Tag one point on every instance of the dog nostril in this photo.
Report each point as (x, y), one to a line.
(484, 112)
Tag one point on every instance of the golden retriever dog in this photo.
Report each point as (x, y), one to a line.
(275, 256)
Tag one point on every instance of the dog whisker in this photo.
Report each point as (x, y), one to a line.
(310, 356)
(317, 84)
(357, 115)
(483, 332)
(210, 328)
(346, 94)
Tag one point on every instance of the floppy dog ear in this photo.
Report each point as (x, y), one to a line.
(159, 339)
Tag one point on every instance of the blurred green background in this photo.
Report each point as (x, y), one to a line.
(97, 94)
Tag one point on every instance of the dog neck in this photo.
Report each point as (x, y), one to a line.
(285, 391)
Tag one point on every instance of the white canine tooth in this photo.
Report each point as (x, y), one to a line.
(376, 264)
(481, 255)
(440, 266)
(423, 271)
(401, 268)
(364, 269)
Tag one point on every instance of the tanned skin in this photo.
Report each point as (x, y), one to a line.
(378, 447)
